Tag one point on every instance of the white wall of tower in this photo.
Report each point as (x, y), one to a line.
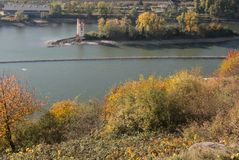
(80, 28)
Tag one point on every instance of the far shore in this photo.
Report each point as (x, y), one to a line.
(43, 22)
(71, 20)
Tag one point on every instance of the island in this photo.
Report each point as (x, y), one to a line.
(150, 29)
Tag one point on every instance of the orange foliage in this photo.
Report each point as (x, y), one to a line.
(215, 26)
(16, 102)
(232, 54)
(230, 66)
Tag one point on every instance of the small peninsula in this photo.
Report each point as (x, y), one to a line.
(150, 29)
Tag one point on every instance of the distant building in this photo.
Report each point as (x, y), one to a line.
(27, 9)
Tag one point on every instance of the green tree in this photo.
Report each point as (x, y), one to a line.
(102, 8)
(207, 5)
(222, 8)
(133, 13)
(88, 7)
(70, 7)
(116, 28)
(20, 17)
(55, 8)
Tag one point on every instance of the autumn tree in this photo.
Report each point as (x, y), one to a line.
(188, 21)
(101, 25)
(16, 102)
(20, 17)
(230, 66)
(116, 28)
(149, 23)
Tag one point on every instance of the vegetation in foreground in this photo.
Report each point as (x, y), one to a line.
(152, 118)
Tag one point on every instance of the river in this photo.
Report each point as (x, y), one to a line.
(87, 79)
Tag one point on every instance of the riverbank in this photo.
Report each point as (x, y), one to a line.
(181, 41)
(72, 41)
(43, 22)
(35, 22)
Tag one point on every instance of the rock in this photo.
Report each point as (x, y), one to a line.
(206, 151)
(108, 43)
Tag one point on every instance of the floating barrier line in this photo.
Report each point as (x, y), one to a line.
(113, 58)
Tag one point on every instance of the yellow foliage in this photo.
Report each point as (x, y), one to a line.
(137, 105)
(188, 21)
(64, 109)
(101, 24)
(149, 22)
(153, 103)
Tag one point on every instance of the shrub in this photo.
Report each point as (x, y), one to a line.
(223, 128)
(66, 120)
(169, 32)
(45, 130)
(85, 120)
(154, 104)
(183, 89)
(192, 98)
(136, 106)
(226, 125)
(20, 17)
(117, 29)
(95, 36)
(64, 109)
(214, 30)
(230, 66)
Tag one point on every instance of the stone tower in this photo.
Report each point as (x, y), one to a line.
(80, 28)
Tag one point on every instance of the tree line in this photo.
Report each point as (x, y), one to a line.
(149, 25)
(218, 8)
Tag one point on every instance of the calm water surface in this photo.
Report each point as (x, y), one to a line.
(88, 79)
